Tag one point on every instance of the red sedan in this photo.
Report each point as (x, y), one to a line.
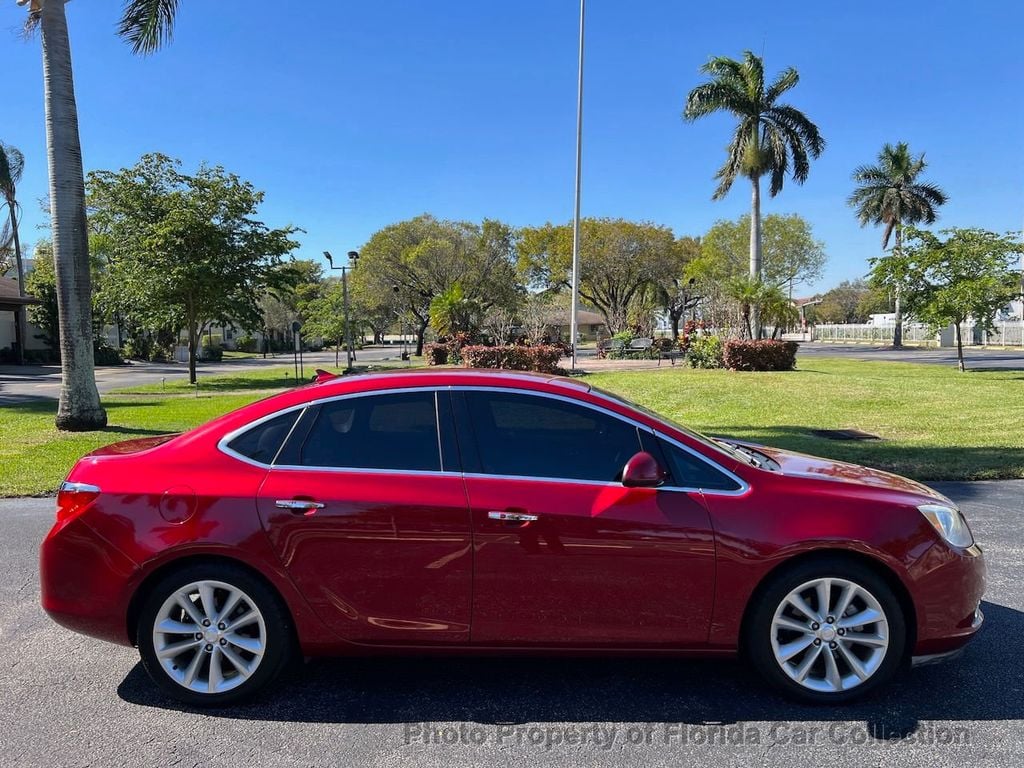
(468, 512)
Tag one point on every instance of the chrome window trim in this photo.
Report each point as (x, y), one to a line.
(222, 443)
(744, 485)
(223, 447)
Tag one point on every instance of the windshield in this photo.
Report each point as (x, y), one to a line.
(715, 445)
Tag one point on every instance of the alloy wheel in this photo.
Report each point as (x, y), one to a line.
(209, 637)
(830, 635)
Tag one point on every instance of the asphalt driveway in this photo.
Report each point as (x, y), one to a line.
(67, 700)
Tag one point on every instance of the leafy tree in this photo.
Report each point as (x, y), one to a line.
(971, 274)
(770, 139)
(452, 312)
(186, 251)
(42, 284)
(621, 262)
(791, 256)
(290, 285)
(539, 312)
(424, 257)
(325, 316)
(678, 291)
(145, 24)
(891, 194)
(852, 301)
(12, 164)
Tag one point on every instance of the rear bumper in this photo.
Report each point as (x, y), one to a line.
(83, 582)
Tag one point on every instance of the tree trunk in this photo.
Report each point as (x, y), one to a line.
(193, 349)
(20, 316)
(960, 348)
(420, 332)
(79, 408)
(755, 253)
(675, 317)
(897, 331)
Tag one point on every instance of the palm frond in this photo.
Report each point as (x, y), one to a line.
(12, 164)
(147, 24)
(797, 122)
(785, 80)
(713, 97)
(733, 165)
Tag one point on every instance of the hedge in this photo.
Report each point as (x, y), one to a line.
(436, 354)
(764, 355)
(543, 358)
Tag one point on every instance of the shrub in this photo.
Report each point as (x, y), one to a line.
(136, 349)
(542, 358)
(436, 353)
(246, 344)
(212, 352)
(705, 352)
(104, 354)
(764, 355)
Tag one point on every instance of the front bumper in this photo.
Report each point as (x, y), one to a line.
(83, 581)
(947, 592)
(930, 659)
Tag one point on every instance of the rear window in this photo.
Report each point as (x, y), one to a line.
(262, 442)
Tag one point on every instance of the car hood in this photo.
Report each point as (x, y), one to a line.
(796, 464)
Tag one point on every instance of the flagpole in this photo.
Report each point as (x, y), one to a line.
(574, 320)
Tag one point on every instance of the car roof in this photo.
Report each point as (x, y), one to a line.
(445, 377)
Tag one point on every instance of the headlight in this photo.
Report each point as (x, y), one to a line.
(949, 522)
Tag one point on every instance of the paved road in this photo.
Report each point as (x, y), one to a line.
(17, 383)
(66, 700)
(974, 359)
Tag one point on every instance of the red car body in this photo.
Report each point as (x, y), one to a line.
(397, 562)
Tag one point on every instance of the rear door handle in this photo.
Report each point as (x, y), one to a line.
(304, 506)
(511, 517)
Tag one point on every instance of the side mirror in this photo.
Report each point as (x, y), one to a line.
(642, 471)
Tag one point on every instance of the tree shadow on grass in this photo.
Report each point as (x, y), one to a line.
(978, 686)
(918, 462)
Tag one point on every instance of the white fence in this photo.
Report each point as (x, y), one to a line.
(1005, 333)
(917, 333)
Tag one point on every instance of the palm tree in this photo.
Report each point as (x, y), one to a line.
(145, 25)
(12, 163)
(770, 138)
(890, 194)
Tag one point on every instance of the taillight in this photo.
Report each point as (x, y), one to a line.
(73, 498)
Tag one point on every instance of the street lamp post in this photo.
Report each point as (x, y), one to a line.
(573, 320)
(353, 257)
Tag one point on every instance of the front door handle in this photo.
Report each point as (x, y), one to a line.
(511, 517)
(299, 506)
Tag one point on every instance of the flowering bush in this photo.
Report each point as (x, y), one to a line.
(705, 352)
(764, 355)
(543, 358)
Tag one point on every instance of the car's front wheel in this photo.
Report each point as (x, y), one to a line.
(827, 632)
(212, 633)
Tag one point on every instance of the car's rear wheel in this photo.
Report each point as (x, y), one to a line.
(827, 632)
(212, 633)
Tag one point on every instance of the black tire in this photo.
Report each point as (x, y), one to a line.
(758, 638)
(275, 630)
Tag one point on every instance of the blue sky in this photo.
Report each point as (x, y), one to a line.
(353, 115)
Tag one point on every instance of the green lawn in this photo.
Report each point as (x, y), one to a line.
(935, 423)
(268, 379)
